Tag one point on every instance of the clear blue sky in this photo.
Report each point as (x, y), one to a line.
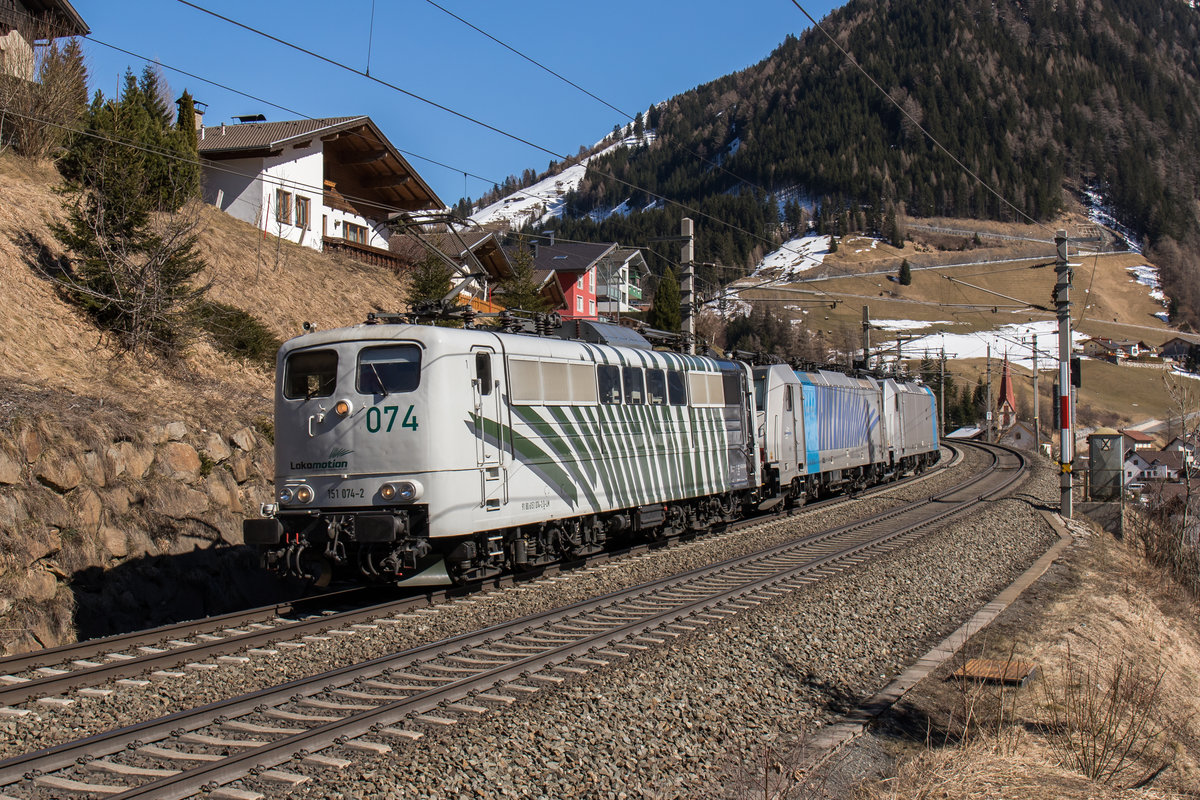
(629, 53)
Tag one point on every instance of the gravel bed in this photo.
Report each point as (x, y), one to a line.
(127, 705)
(700, 717)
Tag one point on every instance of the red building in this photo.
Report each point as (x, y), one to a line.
(575, 265)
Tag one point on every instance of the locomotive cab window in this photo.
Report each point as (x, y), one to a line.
(676, 388)
(608, 377)
(483, 372)
(635, 386)
(656, 387)
(310, 373)
(732, 386)
(389, 369)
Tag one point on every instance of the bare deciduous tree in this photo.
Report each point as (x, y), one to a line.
(43, 90)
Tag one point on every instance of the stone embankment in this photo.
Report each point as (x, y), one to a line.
(113, 522)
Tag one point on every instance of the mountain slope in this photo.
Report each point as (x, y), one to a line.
(1033, 96)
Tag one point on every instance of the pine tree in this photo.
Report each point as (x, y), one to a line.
(665, 312)
(522, 291)
(430, 281)
(133, 265)
(187, 145)
(905, 276)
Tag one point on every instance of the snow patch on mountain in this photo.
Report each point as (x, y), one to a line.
(795, 257)
(1101, 213)
(1147, 275)
(546, 199)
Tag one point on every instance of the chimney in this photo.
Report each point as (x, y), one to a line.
(551, 238)
(222, 128)
(199, 109)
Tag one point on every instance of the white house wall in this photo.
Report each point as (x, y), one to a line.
(336, 220)
(245, 188)
(300, 171)
(235, 187)
(16, 56)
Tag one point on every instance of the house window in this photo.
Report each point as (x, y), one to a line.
(302, 212)
(283, 207)
(579, 303)
(356, 233)
(592, 307)
(592, 280)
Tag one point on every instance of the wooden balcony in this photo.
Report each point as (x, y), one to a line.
(371, 255)
(480, 305)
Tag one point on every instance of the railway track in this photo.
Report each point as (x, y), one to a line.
(319, 720)
(163, 651)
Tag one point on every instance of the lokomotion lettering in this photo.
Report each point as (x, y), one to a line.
(320, 464)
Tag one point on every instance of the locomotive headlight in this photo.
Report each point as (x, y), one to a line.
(400, 491)
(343, 408)
(286, 495)
(304, 494)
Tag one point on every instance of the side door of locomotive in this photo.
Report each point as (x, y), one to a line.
(791, 451)
(492, 433)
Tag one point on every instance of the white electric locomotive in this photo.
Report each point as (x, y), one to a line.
(428, 455)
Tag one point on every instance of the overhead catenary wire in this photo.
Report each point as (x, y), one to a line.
(601, 100)
(468, 117)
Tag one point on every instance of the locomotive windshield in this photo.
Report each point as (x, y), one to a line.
(310, 373)
(389, 369)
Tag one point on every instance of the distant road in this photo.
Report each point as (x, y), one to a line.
(986, 234)
(1157, 425)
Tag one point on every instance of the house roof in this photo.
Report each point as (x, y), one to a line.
(570, 256)
(219, 140)
(1137, 436)
(1171, 459)
(483, 244)
(363, 170)
(61, 14)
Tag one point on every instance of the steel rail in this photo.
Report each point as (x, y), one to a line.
(269, 754)
(173, 656)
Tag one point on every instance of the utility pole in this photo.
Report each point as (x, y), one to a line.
(688, 284)
(1062, 301)
(988, 414)
(942, 396)
(866, 323)
(1037, 420)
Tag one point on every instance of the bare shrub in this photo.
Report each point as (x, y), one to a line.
(983, 711)
(1108, 717)
(43, 91)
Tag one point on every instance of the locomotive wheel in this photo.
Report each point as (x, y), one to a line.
(320, 571)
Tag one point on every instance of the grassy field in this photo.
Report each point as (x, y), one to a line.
(963, 285)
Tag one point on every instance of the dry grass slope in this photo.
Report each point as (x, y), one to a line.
(1112, 609)
(47, 343)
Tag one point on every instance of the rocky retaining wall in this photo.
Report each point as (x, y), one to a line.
(113, 523)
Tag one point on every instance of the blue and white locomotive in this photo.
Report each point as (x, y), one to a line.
(428, 455)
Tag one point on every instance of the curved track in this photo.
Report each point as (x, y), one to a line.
(47, 673)
(246, 739)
